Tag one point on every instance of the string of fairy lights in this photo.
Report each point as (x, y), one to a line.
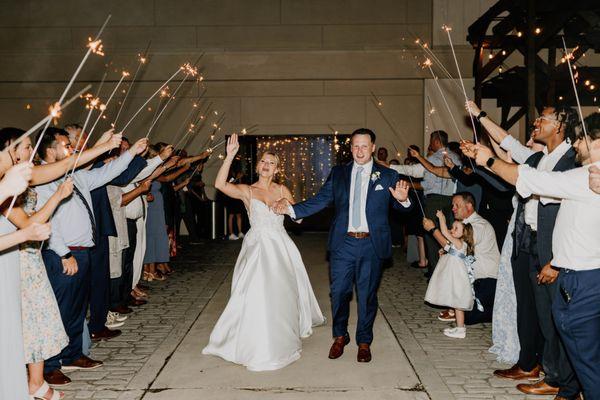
(305, 161)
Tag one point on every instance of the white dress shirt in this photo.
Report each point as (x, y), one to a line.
(547, 163)
(71, 225)
(364, 188)
(135, 209)
(432, 184)
(575, 241)
(487, 256)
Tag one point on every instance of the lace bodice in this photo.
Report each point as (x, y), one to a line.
(261, 216)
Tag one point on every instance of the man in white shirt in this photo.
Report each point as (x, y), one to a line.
(487, 256)
(576, 249)
(532, 251)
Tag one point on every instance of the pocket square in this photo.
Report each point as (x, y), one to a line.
(378, 187)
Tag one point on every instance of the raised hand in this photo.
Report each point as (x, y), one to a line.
(440, 215)
(468, 148)
(171, 162)
(65, 189)
(166, 152)
(482, 154)
(37, 232)
(146, 185)
(472, 108)
(413, 152)
(400, 192)
(139, 146)
(115, 140)
(448, 162)
(595, 178)
(428, 224)
(106, 136)
(232, 146)
(16, 179)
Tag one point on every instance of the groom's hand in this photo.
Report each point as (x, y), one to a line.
(281, 206)
(400, 192)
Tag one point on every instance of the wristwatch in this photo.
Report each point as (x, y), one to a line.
(67, 256)
(490, 161)
(482, 114)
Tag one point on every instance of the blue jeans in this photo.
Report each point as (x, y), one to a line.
(578, 322)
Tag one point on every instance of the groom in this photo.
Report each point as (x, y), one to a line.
(359, 239)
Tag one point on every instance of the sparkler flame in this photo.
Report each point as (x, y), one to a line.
(55, 110)
(446, 28)
(96, 46)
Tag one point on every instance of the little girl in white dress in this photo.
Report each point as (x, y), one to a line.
(451, 282)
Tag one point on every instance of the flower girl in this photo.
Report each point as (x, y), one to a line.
(450, 284)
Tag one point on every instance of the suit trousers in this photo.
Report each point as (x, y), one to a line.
(72, 295)
(557, 368)
(528, 328)
(485, 290)
(100, 278)
(578, 323)
(120, 288)
(354, 264)
(434, 202)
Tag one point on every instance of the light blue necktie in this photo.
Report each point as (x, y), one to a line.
(356, 199)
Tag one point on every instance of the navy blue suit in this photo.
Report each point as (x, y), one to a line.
(355, 261)
(105, 227)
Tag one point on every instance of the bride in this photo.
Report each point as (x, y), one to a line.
(272, 304)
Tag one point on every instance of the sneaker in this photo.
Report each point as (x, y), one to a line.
(233, 237)
(241, 235)
(118, 317)
(456, 332)
(112, 322)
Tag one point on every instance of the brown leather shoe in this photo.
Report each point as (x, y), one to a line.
(540, 387)
(105, 334)
(515, 372)
(133, 302)
(57, 378)
(122, 310)
(565, 398)
(364, 352)
(82, 362)
(337, 348)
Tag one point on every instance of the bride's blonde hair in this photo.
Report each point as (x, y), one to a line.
(279, 176)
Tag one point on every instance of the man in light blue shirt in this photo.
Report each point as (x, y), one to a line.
(438, 191)
(67, 254)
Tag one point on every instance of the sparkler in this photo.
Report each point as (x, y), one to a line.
(568, 57)
(151, 97)
(462, 84)
(54, 112)
(143, 58)
(94, 46)
(193, 71)
(428, 52)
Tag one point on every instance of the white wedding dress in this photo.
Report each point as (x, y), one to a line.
(272, 304)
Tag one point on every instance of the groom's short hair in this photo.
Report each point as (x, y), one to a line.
(363, 131)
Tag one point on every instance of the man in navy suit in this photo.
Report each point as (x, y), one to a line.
(360, 236)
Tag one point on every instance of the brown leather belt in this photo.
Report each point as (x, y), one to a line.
(359, 235)
(78, 248)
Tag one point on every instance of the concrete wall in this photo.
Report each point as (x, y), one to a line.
(290, 66)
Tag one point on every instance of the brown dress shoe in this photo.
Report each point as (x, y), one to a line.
(122, 310)
(133, 302)
(540, 387)
(565, 398)
(364, 353)
(82, 362)
(105, 334)
(337, 348)
(57, 378)
(515, 372)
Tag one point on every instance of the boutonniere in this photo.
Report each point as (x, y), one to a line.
(375, 175)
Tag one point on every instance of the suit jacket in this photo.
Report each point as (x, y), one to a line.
(546, 217)
(105, 223)
(336, 191)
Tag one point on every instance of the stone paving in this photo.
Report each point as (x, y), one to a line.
(448, 368)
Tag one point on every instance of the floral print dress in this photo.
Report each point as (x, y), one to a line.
(43, 331)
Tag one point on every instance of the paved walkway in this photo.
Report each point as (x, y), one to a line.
(149, 360)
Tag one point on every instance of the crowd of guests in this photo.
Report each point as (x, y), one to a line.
(80, 228)
(509, 237)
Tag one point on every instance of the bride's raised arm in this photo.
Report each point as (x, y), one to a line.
(237, 191)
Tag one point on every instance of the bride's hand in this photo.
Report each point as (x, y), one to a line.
(232, 145)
